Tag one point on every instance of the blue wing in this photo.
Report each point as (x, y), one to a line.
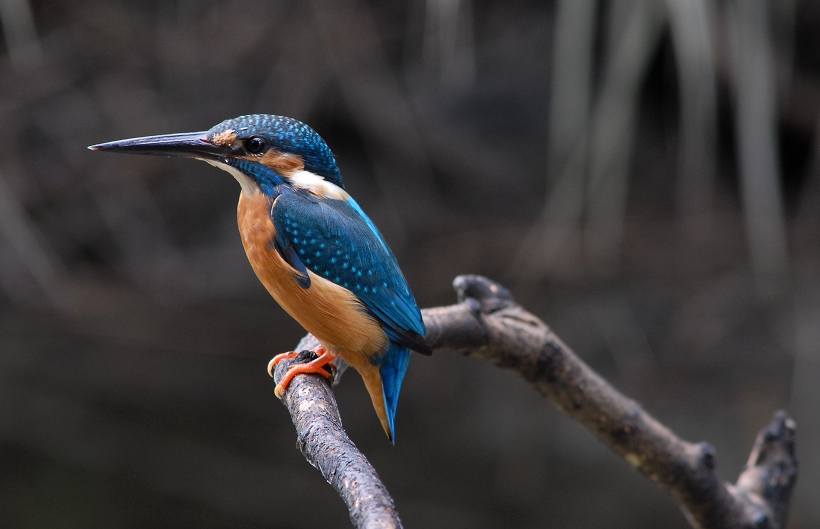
(334, 239)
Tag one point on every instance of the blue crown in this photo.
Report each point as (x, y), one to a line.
(287, 135)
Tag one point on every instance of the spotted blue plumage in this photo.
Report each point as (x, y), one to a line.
(335, 240)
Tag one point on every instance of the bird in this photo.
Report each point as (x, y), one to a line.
(313, 248)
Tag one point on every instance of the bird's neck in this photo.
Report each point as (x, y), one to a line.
(272, 182)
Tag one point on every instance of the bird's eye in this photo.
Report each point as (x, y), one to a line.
(255, 144)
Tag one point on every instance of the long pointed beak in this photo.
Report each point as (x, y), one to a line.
(186, 144)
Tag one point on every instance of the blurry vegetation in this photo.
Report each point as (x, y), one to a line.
(643, 174)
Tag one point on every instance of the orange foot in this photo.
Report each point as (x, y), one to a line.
(278, 358)
(316, 366)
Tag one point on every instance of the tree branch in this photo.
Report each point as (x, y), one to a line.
(326, 446)
(489, 325)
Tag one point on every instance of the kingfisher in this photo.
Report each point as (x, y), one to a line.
(312, 247)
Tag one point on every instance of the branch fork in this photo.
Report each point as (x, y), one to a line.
(487, 324)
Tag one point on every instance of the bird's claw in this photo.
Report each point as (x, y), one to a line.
(278, 358)
(318, 366)
(279, 391)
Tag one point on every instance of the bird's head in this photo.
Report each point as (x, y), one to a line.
(261, 151)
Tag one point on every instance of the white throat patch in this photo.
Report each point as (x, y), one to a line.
(249, 187)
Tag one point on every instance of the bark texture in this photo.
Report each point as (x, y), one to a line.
(326, 446)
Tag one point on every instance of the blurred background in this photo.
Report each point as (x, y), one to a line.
(644, 175)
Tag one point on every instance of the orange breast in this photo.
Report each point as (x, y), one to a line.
(328, 311)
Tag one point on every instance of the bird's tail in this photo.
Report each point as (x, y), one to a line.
(383, 382)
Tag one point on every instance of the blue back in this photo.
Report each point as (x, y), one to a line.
(333, 239)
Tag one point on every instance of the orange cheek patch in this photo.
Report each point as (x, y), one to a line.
(282, 163)
(224, 138)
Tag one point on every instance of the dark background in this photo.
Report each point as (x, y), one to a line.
(643, 175)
